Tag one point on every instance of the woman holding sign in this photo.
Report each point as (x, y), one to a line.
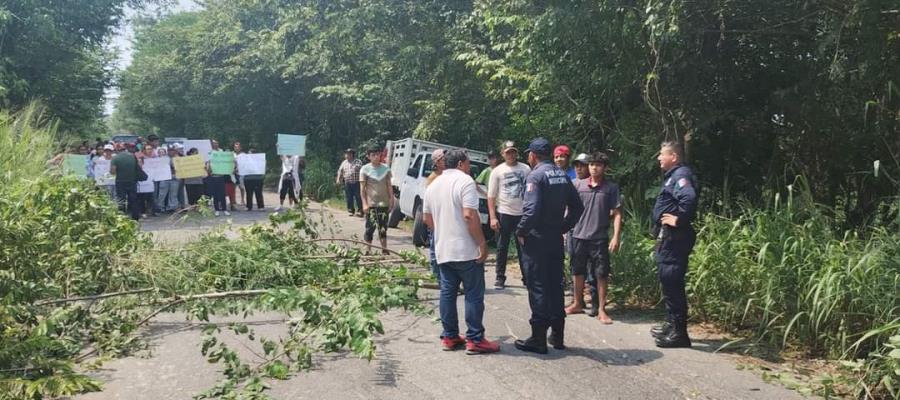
(215, 183)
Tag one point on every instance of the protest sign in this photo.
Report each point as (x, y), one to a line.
(221, 162)
(189, 167)
(251, 164)
(291, 145)
(203, 146)
(101, 172)
(75, 164)
(158, 168)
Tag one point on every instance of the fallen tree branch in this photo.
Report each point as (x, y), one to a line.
(94, 297)
(359, 242)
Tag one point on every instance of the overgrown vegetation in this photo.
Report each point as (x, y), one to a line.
(78, 280)
(784, 277)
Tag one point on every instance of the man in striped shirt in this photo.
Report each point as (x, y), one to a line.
(348, 175)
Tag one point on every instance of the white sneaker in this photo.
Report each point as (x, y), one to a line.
(278, 208)
(227, 213)
(217, 213)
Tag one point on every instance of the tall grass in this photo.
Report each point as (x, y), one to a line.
(27, 141)
(784, 276)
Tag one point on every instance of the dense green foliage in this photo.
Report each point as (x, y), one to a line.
(760, 91)
(53, 51)
(63, 243)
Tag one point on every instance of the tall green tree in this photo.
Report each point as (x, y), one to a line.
(53, 52)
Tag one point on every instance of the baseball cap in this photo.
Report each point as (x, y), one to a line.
(539, 146)
(562, 150)
(349, 150)
(108, 147)
(509, 145)
(582, 158)
(437, 155)
(178, 146)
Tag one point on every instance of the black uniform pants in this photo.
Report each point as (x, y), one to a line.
(542, 263)
(508, 224)
(254, 187)
(672, 263)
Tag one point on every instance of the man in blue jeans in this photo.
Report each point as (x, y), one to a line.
(348, 175)
(451, 212)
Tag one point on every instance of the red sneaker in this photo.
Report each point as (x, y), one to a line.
(482, 346)
(451, 344)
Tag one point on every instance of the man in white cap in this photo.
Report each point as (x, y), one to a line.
(506, 193)
(437, 160)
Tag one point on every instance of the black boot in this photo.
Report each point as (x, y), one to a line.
(677, 337)
(537, 343)
(595, 306)
(662, 330)
(557, 333)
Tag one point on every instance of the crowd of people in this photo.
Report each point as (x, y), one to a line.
(548, 207)
(140, 197)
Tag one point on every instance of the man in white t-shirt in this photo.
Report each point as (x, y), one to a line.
(451, 212)
(506, 194)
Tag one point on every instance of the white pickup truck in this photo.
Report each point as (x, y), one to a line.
(410, 161)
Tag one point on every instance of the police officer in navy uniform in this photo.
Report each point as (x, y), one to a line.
(673, 213)
(548, 193)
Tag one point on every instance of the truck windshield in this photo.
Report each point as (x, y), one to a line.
(477, 167)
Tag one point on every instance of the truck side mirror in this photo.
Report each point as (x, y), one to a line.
(412, 172)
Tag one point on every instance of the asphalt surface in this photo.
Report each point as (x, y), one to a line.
(616, 361)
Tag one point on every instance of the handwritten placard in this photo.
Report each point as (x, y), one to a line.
(158, 169)
(189, 167)
(291, 145)
(251, 164)
(203, 146)
(75, 164)
(101, 172)
(221, 162)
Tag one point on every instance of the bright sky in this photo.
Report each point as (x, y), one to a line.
(121, 42)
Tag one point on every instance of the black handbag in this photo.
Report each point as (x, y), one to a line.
(139, 173)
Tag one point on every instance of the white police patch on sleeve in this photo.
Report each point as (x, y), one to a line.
(683, 182)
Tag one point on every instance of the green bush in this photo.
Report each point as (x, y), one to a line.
(319, 184)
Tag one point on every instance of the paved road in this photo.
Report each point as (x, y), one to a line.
(610, 362)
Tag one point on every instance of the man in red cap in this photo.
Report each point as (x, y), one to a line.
(561, 155)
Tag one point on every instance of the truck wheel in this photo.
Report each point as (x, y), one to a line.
(396, 216)
(420, 231)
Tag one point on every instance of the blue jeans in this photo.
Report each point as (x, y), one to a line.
(432, 258)
(352, 195)
(471, 275)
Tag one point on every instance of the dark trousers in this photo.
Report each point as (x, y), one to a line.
(253, 188)
(126, 195)
(542, 261)
(376, 220)
(146, 202)
(471, 275)
(351, 192)
(194, 193)
(672, 263)
(215, 188)
(287, 190)
(508, 224)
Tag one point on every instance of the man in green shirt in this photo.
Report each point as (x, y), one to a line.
(485, 175)
(124, 166)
